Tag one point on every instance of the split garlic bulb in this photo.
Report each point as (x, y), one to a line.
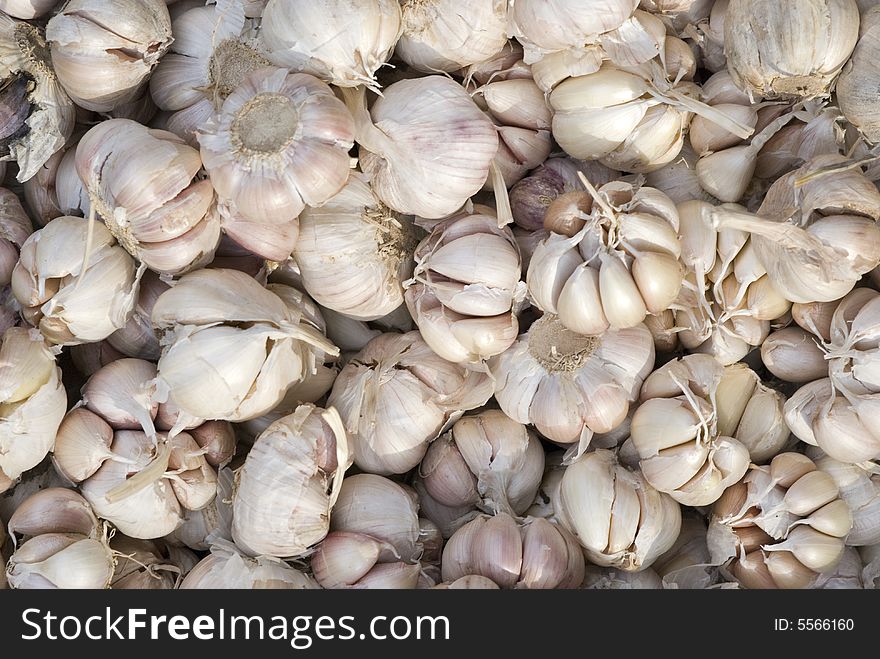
(619, 519)
(568, 385)
(32, 401)
(858, 78)
(761, 57)
(65, 546)
(103, 52)
(486, 459)
(339, 41)
(226, 567)
(465, 287)
(38, 115)
(781, 526)
(447, 35)
(396, 395)
(69, 304)
(232, 348)
(27, 9)
(533, 554)
(611, 260)
(425, 145)
(169, 223)
(356, 560)
(289, 483)
(354, 253)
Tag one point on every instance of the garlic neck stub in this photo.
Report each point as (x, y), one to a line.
(226, 567)
(781, 526)
(568, 385)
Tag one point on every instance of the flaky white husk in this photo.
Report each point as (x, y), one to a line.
(232, 348)
(280, 141)
(445, 35)
(32, 401)
(395, 397)
(424, 145)
(23, 51)
(354, 252)
(343, 42)
(104, 53)
(619, 519)
(465, 287)
(68, 304)
(585, 386)
(857, 102)
(289, 483)
(763, 60)
(228, 568)
(143, 183)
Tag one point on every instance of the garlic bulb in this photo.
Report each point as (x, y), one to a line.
(395, 397)
(27, 9)
(226, 567)
(73, 298)
(859, 486)
(137, 338)
(425, 145)
(214, 48)
(568, 385)
(858, 78)
(356, 560)
(15, 227)
(32, 402)
(611, 260)
(619, 519)
(289, 483)
(761, 59)
(534, 554)
(103, 52)
(231, 348)
(793, 354)
(354, 39)
(781, 526)
(815, 235)
(171, 225)
(465, 288)
(486, 459)
(354, 252)
(65, 546)
(38, 116)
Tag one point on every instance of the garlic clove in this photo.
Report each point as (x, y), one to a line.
(82, 444)
(810, 492)
(53, 510)
(121, 394)
(817, 551)
(672, 468)
(793, 354)
(834, 519)
(446, 475)
(498, 550)
(343, 558)
(579, 304)
(787, 468)
(726, 174)
(752, 572)
(621, 301)
(658, 277)
(391, 576)
(544, 556)
(788, 571)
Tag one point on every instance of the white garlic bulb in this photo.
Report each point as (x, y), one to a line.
(232, 348)
(619, 519)
(425, 145)
(568, 385)
(103, 52)
(396, 395)
(226, 567)
(171, 224)
(70, 296)
(289, 483)
(763, 60)
(465, 288)
(781, 526)
(40, 114)
(341, 42)
(354, 252)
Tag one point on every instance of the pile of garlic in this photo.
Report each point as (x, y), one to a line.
(466, 294)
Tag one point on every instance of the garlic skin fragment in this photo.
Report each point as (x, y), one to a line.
(33, 99)
(570, 386)
(103, 53)
(354, 253)
(226, 567)
(619, 519)
(761, 60)
(355, 38)
(71, 305)
(232, 348)
(289, 483)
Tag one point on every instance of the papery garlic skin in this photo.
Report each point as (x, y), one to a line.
(289, 483)
(226, 567)
(70, 305)
(761, 59)
(354, 253)
(854, 85)
(104, 52)
(570, 386)
(211, 367)
(354, 40)
(396, 395)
